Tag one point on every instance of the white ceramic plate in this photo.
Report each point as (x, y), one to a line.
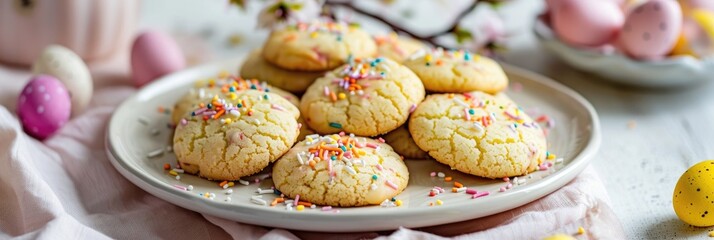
(138, 128)
(613, 66)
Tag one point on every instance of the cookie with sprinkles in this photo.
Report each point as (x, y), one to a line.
(457, 71)
(478, 133)
(224, 85)
(341, 170)
(402, 142)
(396, 47)
(317, 46)
(294, 81)
(231, 137)
(367, 97)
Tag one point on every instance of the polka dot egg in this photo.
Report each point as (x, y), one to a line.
(44, 106)
(693, 198)
(651, 29)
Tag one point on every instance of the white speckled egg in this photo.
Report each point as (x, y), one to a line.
(651, 30)
(44, 106)
(693, 197)
(68, 68)
(587, 22)
(153, 55)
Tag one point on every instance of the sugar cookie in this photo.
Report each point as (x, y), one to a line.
(366, 97)
(457, 71)
(294, 81)
(402, 142)
(352, 171)
(317, 46)
(229, 138)
(397, 48)
(479, 134)
(206, 89)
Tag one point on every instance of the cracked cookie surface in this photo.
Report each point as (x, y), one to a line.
(402, 142)
(366, 173)
(294, 81)
(205, 90)
(367, 97)
(457, 71)
(229, 138)
(397, 48)
(317, 46)
(479, 134)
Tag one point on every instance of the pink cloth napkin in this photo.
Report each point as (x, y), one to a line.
(65, 187)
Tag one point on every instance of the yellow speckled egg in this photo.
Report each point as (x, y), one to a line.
(693, 198)
(560, 237)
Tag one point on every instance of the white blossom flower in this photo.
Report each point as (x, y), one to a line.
(280, 12)
(485, 28)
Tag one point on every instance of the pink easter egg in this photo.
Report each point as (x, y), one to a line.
(44, 106)
(701, 4)
(153, 55)
(651, 30)
(551, 4)
(586, 22)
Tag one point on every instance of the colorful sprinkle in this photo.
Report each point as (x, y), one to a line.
(480, 194)
(335, 125)
(392, 185)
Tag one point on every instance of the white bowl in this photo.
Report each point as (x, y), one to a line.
(616, 67)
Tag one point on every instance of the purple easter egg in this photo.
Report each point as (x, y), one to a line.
(153, 55)
(651, 30)
(44, 106)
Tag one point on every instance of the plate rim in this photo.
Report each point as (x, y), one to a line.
(525, 195)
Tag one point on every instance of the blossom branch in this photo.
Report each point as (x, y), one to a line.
(427, 38)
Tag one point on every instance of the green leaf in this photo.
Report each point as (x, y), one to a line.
(294, 6)
(275, 7)
(239, 3)
(462, 35)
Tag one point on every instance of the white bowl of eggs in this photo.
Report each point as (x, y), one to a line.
(647, 43)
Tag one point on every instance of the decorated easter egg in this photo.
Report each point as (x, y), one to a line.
(44, 106)
(68, 68)
(587, 22)
(697, 35)
(693, 198)
(651, 30)
(552, 3)
(699, 4)
(153, 55)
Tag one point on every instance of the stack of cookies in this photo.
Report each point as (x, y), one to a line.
(294, 56)
(468, 123)
(356, 88)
